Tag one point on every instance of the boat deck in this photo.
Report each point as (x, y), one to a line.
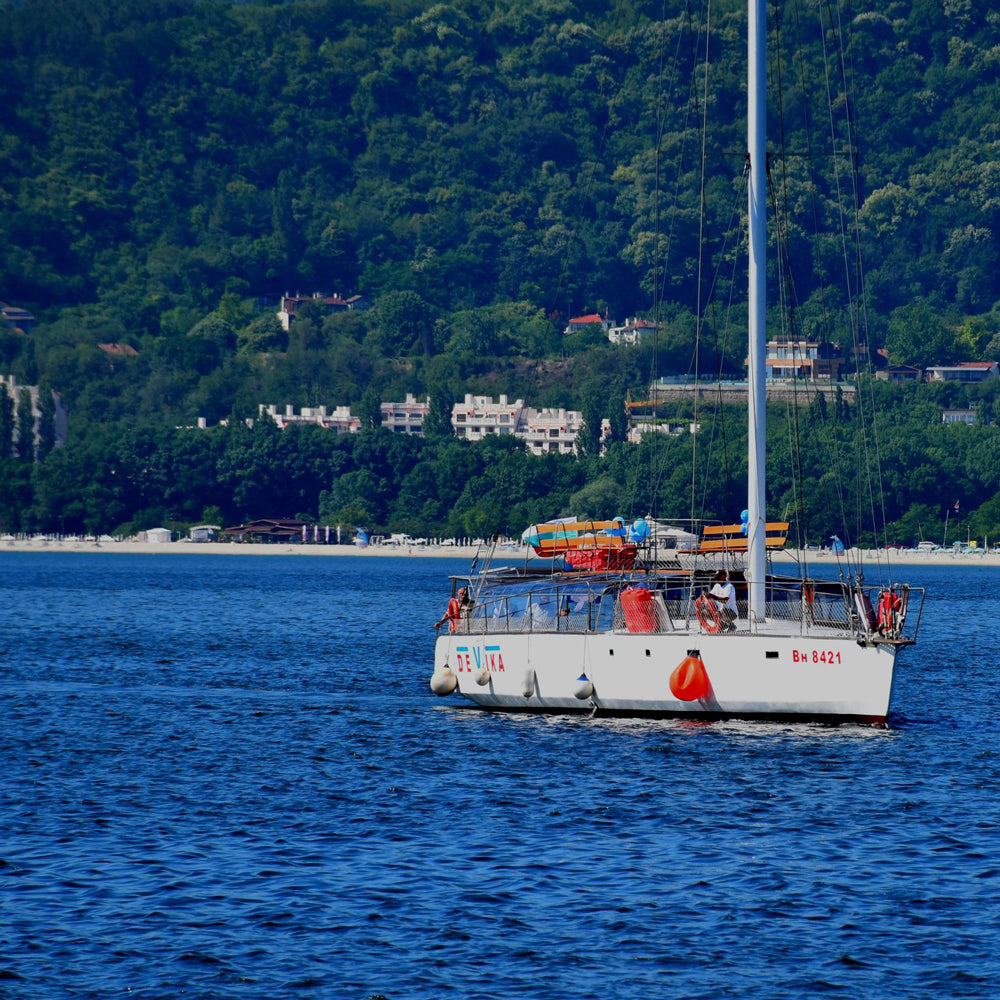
(605, 603)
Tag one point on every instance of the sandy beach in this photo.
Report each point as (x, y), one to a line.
(241, 548)
(787, 558)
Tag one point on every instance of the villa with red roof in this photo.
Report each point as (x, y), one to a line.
(579, 323)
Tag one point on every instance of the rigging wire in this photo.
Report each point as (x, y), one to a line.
(654, 459)
(868, 451)
(669, 74)
(838, 460)
(701, 253)
(867, 448)
(742, 237)
(786, 285)
(790, 333)
(873, 461)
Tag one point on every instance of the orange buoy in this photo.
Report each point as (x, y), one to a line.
(689, 681)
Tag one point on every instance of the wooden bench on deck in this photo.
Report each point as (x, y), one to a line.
(730, 537)
(565, 536)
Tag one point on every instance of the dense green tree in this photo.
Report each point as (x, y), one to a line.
(480, 174)
(24, 441)
(369, 410)
(15, 495)
(6, 424)
(918, 336)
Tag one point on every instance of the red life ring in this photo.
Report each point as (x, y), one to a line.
(708, 616)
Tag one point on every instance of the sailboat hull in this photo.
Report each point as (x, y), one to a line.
(748, 676)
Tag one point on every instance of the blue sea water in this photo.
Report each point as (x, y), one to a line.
(227, 777)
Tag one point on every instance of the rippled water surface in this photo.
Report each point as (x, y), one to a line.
(226, 777)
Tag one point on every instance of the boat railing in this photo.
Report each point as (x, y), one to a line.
(799, 606)
(574, 608)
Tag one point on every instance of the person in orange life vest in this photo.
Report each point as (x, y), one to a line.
(456, 607)
(723, 594)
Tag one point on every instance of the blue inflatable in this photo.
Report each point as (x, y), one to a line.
(639, 531)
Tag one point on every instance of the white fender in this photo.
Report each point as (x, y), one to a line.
(482, 676)
(528, 684)
(443, 680)
(584, 687)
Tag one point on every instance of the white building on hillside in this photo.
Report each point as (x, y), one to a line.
(632, 332)
(477, 417)
(545, 432)
(643, 427)
(550, 431)
(963, 415)
(339, 419)
(406, 417)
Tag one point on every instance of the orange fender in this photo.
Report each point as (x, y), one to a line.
(689, 681)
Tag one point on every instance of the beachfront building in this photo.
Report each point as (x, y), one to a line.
(156, 535)
(268, 529)
(204, 532)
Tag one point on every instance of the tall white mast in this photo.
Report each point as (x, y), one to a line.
(757, 209)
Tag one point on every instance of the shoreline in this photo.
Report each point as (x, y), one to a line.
(784, 558)
(244, 548)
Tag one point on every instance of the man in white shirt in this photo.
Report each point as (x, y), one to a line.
(723, 594)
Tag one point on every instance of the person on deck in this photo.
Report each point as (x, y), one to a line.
(456, 608)
(723, 594)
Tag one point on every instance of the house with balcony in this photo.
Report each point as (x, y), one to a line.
(406, 417)
(477, 417)
(965, 371)
(632, 332)
(550, 431)
(803, 359)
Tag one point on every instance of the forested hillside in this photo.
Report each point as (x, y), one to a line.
(480, 172)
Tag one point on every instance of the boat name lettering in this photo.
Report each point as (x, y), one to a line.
(816, 656)
(489, 657)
